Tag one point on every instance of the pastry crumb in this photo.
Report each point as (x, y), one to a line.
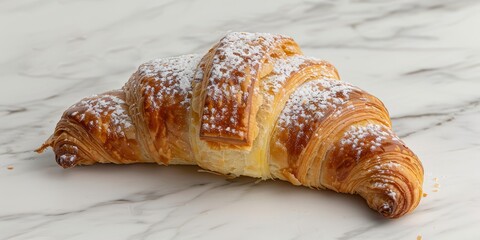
(435, 179)
(10, 167)
(425, 194)
(436, 185)
(419, 237)
(435, 190)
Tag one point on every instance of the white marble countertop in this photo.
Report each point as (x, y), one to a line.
(422, 58)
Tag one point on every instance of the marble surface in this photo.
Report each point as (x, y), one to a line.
(422, 58)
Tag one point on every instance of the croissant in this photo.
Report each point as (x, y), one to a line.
(255, 106)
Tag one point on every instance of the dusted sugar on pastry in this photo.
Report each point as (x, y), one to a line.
(255, 106)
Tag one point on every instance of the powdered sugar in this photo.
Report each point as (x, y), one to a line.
(99, 107)
(383, 185)
(386, 165)
(355, 137)
(379, 185)
(312, 100)
(392, 194)
(236, 52)
(173, 76)
(283, 69)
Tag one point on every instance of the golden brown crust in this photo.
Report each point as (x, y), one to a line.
(162, 88)
(253, 106)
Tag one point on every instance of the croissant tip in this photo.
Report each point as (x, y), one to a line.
(66, 160)
(386, 210)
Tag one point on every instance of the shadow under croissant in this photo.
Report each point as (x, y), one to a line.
(182, 177)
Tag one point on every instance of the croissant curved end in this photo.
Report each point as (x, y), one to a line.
(66, 160)
(392, 201)
(66, 154)
(390, 208)
(386, 209)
